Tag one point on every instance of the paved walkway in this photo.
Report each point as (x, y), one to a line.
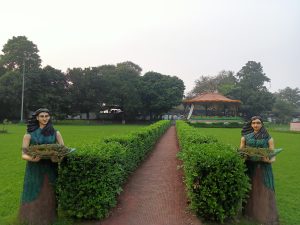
(154, 193)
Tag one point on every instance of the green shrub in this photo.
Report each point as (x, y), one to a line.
(214, 175)
(4, 125)
(90, 180)
(219, 124)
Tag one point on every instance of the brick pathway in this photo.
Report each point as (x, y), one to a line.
(154, 193)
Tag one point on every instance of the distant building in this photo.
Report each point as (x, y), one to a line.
(211, 105)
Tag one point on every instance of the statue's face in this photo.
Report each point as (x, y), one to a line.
(256, 125)
(43, 118)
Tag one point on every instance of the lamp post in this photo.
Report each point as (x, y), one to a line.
(23, 85)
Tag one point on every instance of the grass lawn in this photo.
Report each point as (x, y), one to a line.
(12, 167)
(286, 169)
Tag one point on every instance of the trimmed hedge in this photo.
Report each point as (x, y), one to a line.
(214, 174)
(218, 124)
(90, 180)
(216, 117)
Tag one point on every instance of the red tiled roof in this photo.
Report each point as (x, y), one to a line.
(211, 97)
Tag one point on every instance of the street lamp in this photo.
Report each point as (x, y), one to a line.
(23, 84)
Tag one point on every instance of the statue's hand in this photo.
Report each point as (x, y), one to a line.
(267, 160)
(35, 159)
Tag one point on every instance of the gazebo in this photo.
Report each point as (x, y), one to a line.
(211, 105)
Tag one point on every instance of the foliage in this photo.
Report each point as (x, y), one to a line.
(214, 175)
(222, 83)
(123, 87)
(80, 90)
(287, 105)
(86, 89)
(4, 126)
(250, 89)
(218, 124)
(248, 85)
(251, 76)
(286, 167)
(13, 167)
(91, 178)
(20, 50)
(47, 88)
(290, 95)
(159, 93)
(10, 94)
(43, 88)
(283, 111)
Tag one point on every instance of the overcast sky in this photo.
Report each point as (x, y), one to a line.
(184, 38)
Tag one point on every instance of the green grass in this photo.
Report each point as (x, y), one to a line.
(286, 169)
(12, 167)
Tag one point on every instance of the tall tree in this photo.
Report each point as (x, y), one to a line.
(222, 83)
(124, 88)
(2, 68)
(283, 111)
(19, 51)
(86, 89)
(250, 89)
(226, 81)
(160, 93)
(10, 95)
(47, 88)
(287, 104)
(251, 76)
(290, 95)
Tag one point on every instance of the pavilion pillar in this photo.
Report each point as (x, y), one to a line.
(191, 111)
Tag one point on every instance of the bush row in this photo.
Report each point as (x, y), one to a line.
(218, 124)
(90, 180)
(214, 174)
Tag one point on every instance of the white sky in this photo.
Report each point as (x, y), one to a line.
(185, 38)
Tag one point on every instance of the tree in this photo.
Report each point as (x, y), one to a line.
(287, 105)
(10, 95)
(130, 66)
(47, 88)
(160, 93)
(86, 89)
(283, 111)
(250, 89)
(222, 83)
(2, 68)
(290, 95)
(123, 85)
(20, 50)
(251, 76)
(226, 81)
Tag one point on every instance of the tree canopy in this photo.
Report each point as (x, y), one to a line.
(20, 50)
(85, 90)
(79, 90)
(160, 93)
(287, 104)
(248, 85)
(223, 83)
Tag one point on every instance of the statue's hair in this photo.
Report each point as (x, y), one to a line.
(33, 123)
(261, 134)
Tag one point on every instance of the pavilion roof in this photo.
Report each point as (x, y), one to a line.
(211, 97)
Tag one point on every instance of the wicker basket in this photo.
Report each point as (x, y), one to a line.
(55, 152)
(256, 154)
